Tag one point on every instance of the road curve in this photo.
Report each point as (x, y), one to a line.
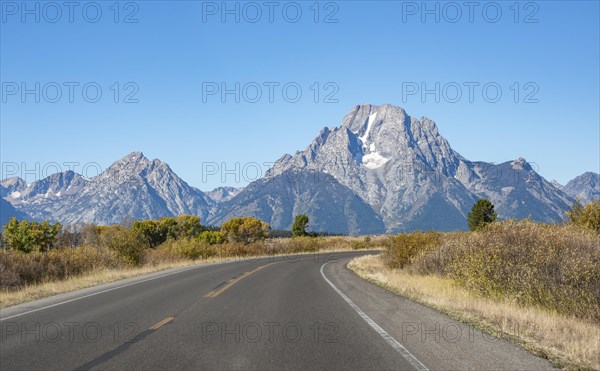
(292, 312)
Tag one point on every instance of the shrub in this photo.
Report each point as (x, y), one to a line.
(157, 256)
(211, 237)
(401, 250)
(551, 266)
(299, 226)
(245, 230)
(304, 244)
(481, 214)
(155, 232)
(152, 231)
(18, 270)
(189, 248)
(587, 217)
(128, 244)
(361, 244)
(26, 236)
(185, 226)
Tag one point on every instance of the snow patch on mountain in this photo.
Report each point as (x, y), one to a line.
(370, 122)
(381, 169)
(374, 160)
(421, 182)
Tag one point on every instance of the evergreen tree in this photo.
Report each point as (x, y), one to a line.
(481, 214)
(299, 226)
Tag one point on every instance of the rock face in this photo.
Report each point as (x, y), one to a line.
(222, 194)
(132, 188)
(411, 177)
(380, 170)
(330, 206)
(585, 188)
(12, 187)
(517, 191)
(49, 197)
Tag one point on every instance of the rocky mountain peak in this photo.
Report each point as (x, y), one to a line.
(55, 185)
(133, 187)
(222, 194)
(521, 164)
(14, 181)
(585, 187)
(132, 160)
(133, 156)
(367, 120)
(385, 129)
(408, 173)
(591, 177)
(426, 126)
(134, 165)
(12, 185)
(380, 170)
(364, 120)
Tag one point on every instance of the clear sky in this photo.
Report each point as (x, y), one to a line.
(170, 56)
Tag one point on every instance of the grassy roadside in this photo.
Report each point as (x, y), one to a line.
(106, 275)
(568, 342)
(89, 279)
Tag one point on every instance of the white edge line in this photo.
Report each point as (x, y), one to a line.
(99, 292)
(107, 290)
(387, 337)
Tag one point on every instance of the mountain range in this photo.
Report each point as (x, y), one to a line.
(132, 188)
(380, 171)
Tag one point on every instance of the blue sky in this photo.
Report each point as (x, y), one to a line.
(356, 52)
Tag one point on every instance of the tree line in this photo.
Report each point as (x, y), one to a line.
(31, 236)
(26, 236)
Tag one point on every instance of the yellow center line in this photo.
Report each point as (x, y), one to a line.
(232, 282)
(161, 323)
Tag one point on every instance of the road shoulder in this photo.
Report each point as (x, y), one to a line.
(431, 336)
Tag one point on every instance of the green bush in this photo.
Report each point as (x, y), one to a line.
(299, 226)
(152, 231)
(155, 232)
(26, 236)
(245, 230)
(211, 237)
(185, 226)
(128, 244)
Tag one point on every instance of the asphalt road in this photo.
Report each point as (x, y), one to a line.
(295, 312)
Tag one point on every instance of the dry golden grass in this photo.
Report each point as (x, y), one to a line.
(567, 341)
(65, 270)
(93, 278)
(556, 267)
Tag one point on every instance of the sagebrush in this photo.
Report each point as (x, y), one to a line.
(556, 267)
